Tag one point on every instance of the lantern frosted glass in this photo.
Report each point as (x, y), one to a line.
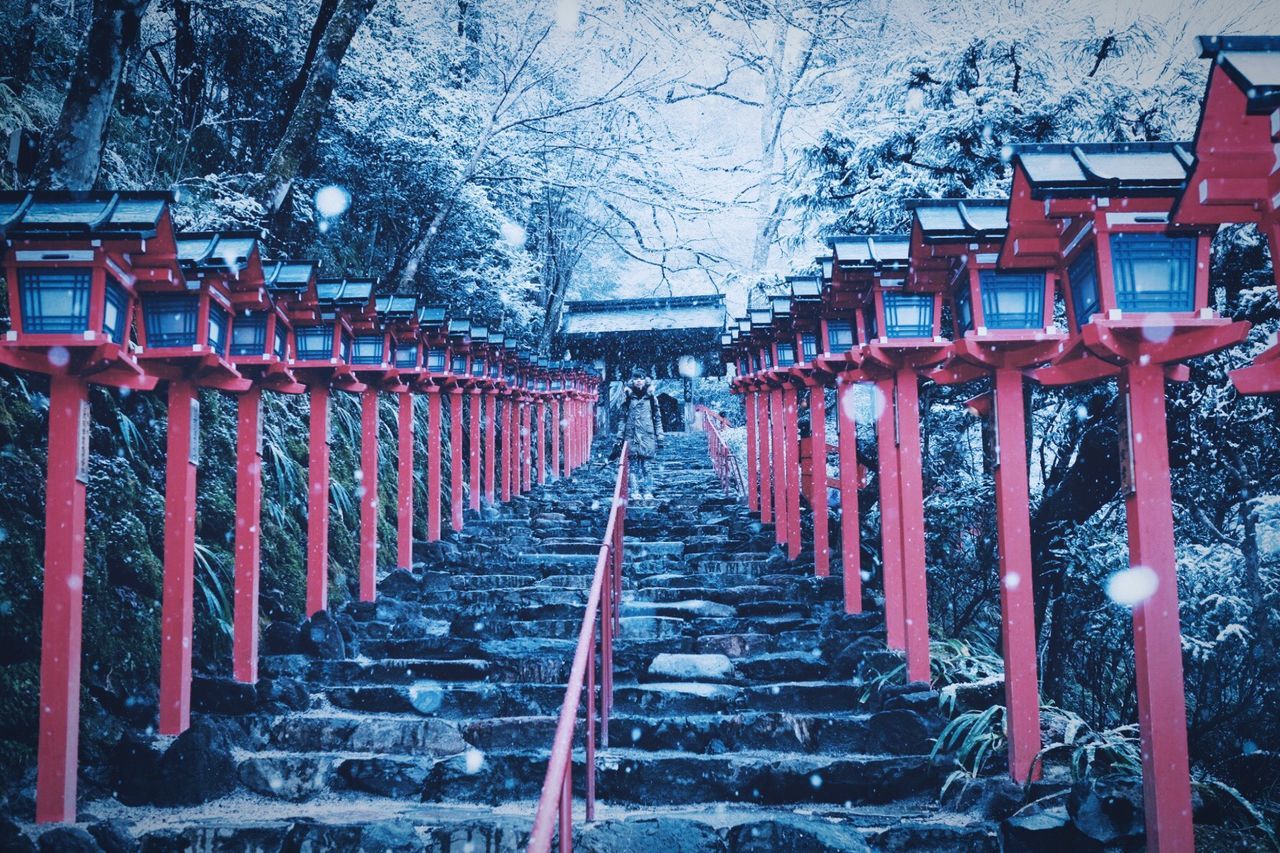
(54, 301)
(809, 345)
(281, 344)
(115, 317)
(1012, 300)
(170, 320)
(1154, 272)
(217, 337)
(367, 349)
(1082, 280)
(406, 355)
(344, 348)
(315, 343)
(460, 365)
(786, 355)
(908, 315)
(249, 334)
(436, 361)
(477, 368)
(839, 336)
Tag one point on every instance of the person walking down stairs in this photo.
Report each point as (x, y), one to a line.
(641, 425)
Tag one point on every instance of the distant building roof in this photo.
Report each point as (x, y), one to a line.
(642, 315)
(1253, 62)
(1105, 169)
(960, 219)
(55, 214)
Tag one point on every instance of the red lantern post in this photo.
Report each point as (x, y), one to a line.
(69, 263)
(1003, 325)
(1137, 293)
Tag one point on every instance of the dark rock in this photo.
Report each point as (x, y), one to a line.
(197, 767)
(436, 554)
(286, 693)
(166, 841)
(495, 835)
(308, 837)
(391, 836)
(993, 797)
(668, 835)
(67, 839)
(388, 777)
(114, 836)
(399, 583)
(918, 836)
(796, 834)
(1255, 774)
(213, 695)
(281, 638)
(13, 839)
(977, 695)
(135, 771)
(294, 778)
(321, 637)
(1044, 826)
(1107, 809)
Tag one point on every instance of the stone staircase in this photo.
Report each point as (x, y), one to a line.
(745, 714)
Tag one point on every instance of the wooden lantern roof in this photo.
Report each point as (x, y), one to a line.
(1252, 63)
(58, 215)
(344, 292)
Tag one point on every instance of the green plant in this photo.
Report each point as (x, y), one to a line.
(974, 737)
(1090, 752)
(213, 589)
(1213, 789)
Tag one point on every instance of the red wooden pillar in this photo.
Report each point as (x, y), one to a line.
(434, 437)
(181, 450)
(473, 466)
(455, 458)
(490, 444)
(915, 597)
(404, 482)
(244, 652)
(566, 429)
(508, 449)
(368, 491)
(890, 514)
(526, 446)
(753, 498)
(63, 606)
(1157, 639)
(540, 412)
(1017, 601)
(818, 480)
(850, 525)
(764, 454)
(778, 463)
(318, 502)
(791, 445)
(555, 438)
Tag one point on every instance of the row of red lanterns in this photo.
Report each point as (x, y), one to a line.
(1123, 233)
(103, 291)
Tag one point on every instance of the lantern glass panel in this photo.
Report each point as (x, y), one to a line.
(367, 349)
(766, 358)
(495, 370)
(115, 315)
(1154, 272)
(839, 336)
(217, 339)
(869, 314)
(436, 360)
(315, 343)
(809, 345)
(406, 354)
(1012, 300)
(964, 307)
(281, 344)
(557, 384)
(54, 301)
(170, 320)
(478, 367)
(786, 355)
(908, 315)
(344, 348)
(460, 365)
(249, 334)
(1082, 278)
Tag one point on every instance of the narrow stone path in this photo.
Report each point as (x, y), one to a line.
(743, 715)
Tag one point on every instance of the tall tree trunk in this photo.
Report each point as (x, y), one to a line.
(73, 152)
(304, 127)
(294, 94)
(187, 72)
(16, 67)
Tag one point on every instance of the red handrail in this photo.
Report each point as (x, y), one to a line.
(606, 590)
(723, 459)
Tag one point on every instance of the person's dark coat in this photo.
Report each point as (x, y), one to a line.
(641, 422)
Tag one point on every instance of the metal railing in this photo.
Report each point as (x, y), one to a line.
(603, 603)
(723, 459)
